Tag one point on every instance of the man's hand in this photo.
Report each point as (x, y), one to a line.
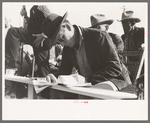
(51, 78)
(39, 40)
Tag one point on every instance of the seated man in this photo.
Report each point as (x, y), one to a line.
(89, 50)
(32, 36)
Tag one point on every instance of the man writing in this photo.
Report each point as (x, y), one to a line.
(90, 51)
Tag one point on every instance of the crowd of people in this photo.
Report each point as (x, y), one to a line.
(60, 47)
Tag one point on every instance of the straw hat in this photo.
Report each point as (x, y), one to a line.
(99, 19)
(128, 15)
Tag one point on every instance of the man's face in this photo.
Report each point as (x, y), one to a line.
(127, 26)
(64, 36)
(102, 27)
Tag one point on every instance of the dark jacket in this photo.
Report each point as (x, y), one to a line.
(138, 37)
(102, 58)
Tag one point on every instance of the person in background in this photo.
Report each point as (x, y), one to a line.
(55, 58)
(89, 50)
(133, 36)
(100, 22)
(31, 35)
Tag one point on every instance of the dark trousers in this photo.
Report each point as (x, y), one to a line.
(12, 42)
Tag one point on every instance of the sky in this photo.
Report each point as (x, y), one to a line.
(79, 12)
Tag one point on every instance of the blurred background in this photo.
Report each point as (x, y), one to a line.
(79, 12)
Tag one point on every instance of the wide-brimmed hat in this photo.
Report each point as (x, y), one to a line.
(51, 25)
(129, 15)
(99, 19)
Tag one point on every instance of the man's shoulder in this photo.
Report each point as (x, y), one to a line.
(93, 32)
(139, 29)
(96, 36)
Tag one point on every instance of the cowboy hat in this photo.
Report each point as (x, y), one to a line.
(128, 15)
(51, 25)
(99, 19)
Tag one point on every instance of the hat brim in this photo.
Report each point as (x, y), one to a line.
(63, 19)
(135, 19)
(109, 22)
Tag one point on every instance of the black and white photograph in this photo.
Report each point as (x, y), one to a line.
(75, 61)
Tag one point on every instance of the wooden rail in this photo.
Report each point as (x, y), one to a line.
(87, 91)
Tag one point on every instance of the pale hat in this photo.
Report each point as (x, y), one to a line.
(99, 19)
(128, 15)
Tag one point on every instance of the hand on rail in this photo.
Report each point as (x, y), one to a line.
(51, 78)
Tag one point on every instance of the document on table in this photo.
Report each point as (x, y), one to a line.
(69, 80)
(40, 83)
